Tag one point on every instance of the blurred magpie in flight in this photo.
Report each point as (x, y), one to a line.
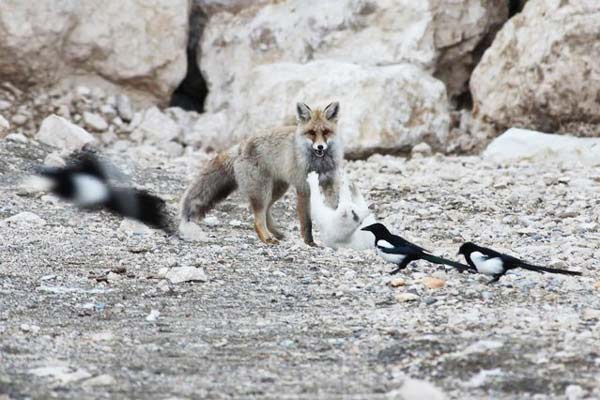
(84, 181)
(401, 252)
(490, 262)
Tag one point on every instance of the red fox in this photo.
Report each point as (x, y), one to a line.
(264, 166)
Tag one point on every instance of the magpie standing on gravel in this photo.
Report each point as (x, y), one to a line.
(401, 252)
(85, 182)
(490, 262)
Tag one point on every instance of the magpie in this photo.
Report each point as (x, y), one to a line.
(84, 181)
(490, 262)
(401, 252)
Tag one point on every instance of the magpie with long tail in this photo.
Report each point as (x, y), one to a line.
(397, 250)
(490, 262)
(85, 182)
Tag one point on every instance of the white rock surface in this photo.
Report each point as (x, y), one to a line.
(389, 108)
(62, 43)
(519, 144)
(58, 132)
(368, 33)
(542, 70)
(61, 373)
(415, 389)
(185, 274)
(192, 232)
(156, 127)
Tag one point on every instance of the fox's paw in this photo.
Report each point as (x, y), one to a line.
(271, 240)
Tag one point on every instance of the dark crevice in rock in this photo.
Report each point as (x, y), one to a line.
(515, 7)
(192, 91)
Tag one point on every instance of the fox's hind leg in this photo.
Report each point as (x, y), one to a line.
(279, 189)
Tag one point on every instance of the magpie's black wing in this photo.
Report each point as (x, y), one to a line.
(398, 241)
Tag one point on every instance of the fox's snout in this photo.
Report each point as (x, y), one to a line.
(319, 148)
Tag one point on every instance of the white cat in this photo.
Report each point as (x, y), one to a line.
(340, 227)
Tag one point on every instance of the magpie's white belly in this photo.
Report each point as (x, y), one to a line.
(391, 258)
(89, 190)
(487, 266)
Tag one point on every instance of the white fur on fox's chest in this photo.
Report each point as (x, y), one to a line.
(391, 258)
(485, 265)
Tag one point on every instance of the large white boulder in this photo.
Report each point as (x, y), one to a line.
(437, 35)
(521, 144)
(139, 45)
(382, 108)
(542, 70)
(58, 132)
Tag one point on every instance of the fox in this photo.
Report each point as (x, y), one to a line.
(264, 166)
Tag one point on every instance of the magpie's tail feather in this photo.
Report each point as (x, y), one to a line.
(142, 206)
(440, 260)
(537, 268)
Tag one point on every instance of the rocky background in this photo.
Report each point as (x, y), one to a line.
(95, 307)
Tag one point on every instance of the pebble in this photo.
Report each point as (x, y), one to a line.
(422, 149)
(405, 297)
(434, 283)
(124, 108)
(211, 221)
(4, 125)
(19, 119)
(100, 380)
(17, 138)
(397, 282)
(153, 316)
(94, 122)
(30, 328)
(185, 274)
(25, 219)
(133, 227)
(192, 232)
(4, 105)
(54, 160)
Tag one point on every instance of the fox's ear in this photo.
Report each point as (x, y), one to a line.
(303, 112)
(332, 111)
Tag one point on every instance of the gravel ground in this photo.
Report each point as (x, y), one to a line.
(77, 293)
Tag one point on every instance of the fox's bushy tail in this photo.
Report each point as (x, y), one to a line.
(215, 182)
(537, 268)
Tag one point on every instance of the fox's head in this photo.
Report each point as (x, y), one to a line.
(318, 127)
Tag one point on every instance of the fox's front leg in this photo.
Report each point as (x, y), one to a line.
(303, 205)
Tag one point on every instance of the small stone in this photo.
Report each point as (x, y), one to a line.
(164, 286)
(108, 110)
(191, 232)
(422, 149)
(100, 380)
(4, 105)
(185, 274)
(112, 277)
(153, 316)
(429, 300)
(58, 132)
(405, 297)
(30, 328)
(19, 119)
(54, 160)
(211, 221)
(94, 122)
(4, 125)
(17, 138)
(574, 392)
(25, 219)
(103, 336)
(124, 108)
(236, 223)
(83, 91)
(590, 314)
(434, 283)
(397, 282)
(132, 227)
(156, 128)
(173, 149)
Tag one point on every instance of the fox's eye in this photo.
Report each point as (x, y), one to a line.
(326, 132)
(311, 133)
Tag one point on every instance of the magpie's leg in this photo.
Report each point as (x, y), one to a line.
(495, 278)
(403, 264)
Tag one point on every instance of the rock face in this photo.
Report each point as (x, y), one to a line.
(542, 71)
(518, 144)
(52, 43)
(345, 38)
(382, 108)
